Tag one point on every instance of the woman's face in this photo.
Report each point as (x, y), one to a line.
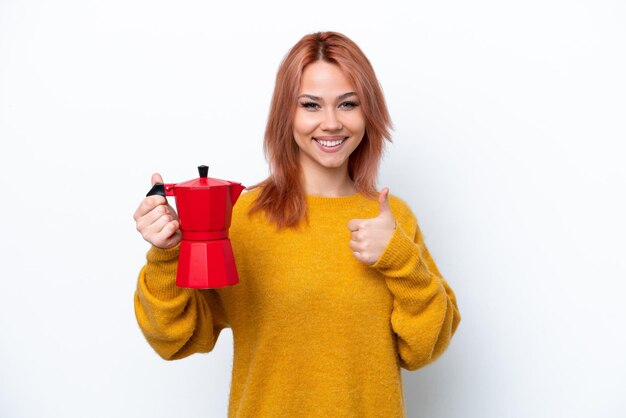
(328, 124)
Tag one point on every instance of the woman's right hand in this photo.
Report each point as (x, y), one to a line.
(157, 221)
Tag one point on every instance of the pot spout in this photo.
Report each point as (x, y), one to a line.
(235, 191)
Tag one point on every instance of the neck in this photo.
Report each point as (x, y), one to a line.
(327, 182)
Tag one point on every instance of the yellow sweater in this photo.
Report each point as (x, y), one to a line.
(316, 332)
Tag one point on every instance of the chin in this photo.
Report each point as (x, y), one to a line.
(333, 164)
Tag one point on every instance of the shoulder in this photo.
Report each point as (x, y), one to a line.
(399, 207)
(243, 205)
(246, 199)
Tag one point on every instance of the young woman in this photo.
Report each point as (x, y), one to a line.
(337, 289)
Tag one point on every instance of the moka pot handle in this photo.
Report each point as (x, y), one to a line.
(162, 190)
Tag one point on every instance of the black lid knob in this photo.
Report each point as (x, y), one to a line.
(203, 170)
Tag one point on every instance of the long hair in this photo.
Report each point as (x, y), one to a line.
(282, 195)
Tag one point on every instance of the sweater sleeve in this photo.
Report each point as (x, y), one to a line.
(425, 313)
(176, 322)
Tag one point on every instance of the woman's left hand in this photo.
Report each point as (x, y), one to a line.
(369, 237)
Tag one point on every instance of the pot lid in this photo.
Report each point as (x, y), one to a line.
(203, 181)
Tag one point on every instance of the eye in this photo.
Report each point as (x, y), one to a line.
(309, 105)
(348, 105)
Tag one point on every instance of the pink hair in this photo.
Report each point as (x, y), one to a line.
(282, 195)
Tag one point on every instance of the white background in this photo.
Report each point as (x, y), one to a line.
(509, 141)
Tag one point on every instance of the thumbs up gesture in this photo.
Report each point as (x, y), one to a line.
(369, 237)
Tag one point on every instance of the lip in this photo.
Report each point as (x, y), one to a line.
(330, 138)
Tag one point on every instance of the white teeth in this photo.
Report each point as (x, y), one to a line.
(330, 143)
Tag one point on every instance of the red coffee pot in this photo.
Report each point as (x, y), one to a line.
(204, 208)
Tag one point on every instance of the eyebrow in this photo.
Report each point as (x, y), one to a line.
(341, 97)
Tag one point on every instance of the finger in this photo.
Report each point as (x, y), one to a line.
(383, 201)
(156, 178)
(148, 204)
(359, 256)
(145, 222)
(150, 226)
(167, 237)
(154, 215)
(356, 224)
(156, 227)
(172, 231)
(169, 229)
(160, 231)
(172, 212)
(357, 236)
(354, 246)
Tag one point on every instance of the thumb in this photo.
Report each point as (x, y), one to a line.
(156, 178)
(383, 201)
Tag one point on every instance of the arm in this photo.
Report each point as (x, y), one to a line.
(176, 322)
(425, 314)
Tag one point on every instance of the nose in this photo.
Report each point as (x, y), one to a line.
(331, 121)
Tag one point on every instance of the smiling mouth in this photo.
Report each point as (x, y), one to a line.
(330, 143)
